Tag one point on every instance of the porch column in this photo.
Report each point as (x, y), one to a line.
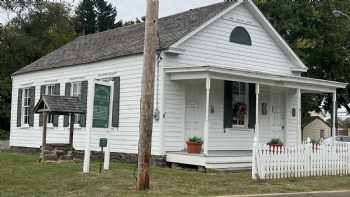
(206, 123)
(334, 100)
(300, 137)
(256, 132)
(43, 145)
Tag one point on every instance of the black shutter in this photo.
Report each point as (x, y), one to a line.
(228, 113)
(67, 93)
(252, 106)
(116, 102)
(31, 105)
(84, 91)
(55, 117)
(19, 108)
(42, 92)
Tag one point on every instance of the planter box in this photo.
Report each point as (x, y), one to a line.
(194, 147)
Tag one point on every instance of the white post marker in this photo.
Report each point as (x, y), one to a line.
(107, 152)
(89, 114)
(256, 133)
(206, 123)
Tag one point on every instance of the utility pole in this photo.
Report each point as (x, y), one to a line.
(147, 96)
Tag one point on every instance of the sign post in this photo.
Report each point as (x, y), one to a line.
(103, 144)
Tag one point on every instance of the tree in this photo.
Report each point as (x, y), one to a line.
(106, 15)
(38, 28)
(86, 17)
(95, 15)
(319, 38)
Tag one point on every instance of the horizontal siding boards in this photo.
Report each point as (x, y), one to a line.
(213, 41)
(174, 122)
(124, 138)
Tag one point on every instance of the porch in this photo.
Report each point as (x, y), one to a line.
(233, 110)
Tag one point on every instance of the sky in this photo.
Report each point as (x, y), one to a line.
(130, 9)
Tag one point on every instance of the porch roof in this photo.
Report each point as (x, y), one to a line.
(233, 74)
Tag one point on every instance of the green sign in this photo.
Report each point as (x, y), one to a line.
(103, 142)
(100, 117)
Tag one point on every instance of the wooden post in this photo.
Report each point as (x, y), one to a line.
(256, 132)
(71, 129)
(300, 136)
(206, 123)
(43, 146)
(147, 96)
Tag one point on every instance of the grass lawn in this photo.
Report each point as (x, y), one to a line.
(22, 175)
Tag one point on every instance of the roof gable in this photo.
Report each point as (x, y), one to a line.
(295, 63)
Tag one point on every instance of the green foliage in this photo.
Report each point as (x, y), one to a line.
(318, 37)
(195, 139)
(4, 135)
(95, 15)
(275, 141)
(38, 28)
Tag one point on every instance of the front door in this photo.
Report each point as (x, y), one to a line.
(277, 115)
(194, 117)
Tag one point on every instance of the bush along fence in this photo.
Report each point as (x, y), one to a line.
(278, 162)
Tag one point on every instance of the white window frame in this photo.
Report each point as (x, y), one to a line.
(246, 101)
(78, 84)
(50, 118)
(25, 106)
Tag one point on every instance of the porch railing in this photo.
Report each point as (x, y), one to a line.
(276, 162)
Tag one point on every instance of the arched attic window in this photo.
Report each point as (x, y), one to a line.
(240, 35)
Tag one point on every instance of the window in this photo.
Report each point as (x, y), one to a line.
(240, 104)
(50, 90)
(26, 106)
(240, 35)
(76, 91)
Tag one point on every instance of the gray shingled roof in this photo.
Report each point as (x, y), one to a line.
(59, 105)
(124, 41)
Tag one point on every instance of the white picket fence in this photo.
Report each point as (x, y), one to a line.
(302, 161)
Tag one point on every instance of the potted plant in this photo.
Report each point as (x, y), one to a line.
(194, 145)
(275, 143)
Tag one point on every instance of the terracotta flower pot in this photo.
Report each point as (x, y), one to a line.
(194, 147)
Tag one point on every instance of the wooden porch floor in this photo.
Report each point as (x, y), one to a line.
(226, 160)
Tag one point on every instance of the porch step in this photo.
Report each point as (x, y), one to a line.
(229, 166)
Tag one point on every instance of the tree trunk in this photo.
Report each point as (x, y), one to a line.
(147, 97)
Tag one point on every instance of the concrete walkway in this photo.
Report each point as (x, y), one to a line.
(4, 145)
(345, 193)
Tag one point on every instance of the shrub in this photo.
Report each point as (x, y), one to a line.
(195, 139)
(4, 135)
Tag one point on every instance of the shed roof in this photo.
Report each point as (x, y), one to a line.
(59, 105)
(124, 41)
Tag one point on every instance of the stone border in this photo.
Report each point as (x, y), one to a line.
(157, 160)
(341, 193)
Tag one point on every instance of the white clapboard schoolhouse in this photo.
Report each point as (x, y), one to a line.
(223, 74)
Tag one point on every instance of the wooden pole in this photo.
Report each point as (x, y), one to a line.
(71, 129)
(147, 96)
(43, 146)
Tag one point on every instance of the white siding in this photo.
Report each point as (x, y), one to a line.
(313, 130)
(124, 139)
(292, 122)
(174, 102)
(211, 46)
